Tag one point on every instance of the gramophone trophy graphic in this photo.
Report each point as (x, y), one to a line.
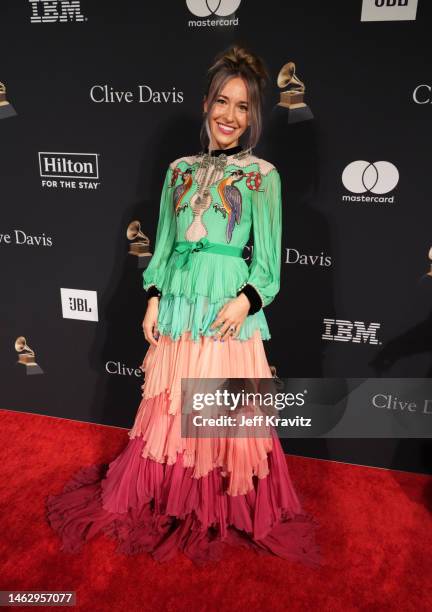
(26, 356)
(430, 258)
(6, 108)
(140, 246)
(292, 98)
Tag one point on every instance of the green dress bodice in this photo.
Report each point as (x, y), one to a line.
(224, 202)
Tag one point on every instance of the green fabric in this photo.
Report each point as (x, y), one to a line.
(178, 314)
(217, 278)
(186, 247)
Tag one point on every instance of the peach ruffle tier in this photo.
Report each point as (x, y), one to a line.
(158, 419)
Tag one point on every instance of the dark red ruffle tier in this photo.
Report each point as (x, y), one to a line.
(161, 509)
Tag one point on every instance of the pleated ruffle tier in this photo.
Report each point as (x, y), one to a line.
(192, 298)
(215, 276)
(179, 314)
(162, 509)
(165, 494)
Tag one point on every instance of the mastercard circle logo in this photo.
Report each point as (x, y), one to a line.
(377, 177)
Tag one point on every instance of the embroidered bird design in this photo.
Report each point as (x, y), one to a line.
(231, 199)
(181, 190)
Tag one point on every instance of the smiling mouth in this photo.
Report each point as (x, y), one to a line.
(225, 129)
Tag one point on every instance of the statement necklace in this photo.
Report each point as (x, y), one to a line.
(210, 170)
(220, 161)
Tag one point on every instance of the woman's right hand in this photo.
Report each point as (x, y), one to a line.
(149, 324)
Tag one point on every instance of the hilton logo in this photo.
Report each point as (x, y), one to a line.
(346, 331)
(59, 166)
(79, 304)
(50, 11)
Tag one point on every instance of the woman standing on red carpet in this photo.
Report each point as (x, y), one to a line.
(164, 493)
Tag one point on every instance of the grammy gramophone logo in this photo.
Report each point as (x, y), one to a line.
(139, 245)
(292, 97)
(6, 108)
(26, 356)
(430, 260)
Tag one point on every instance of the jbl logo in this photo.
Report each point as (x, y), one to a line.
(346, 331)
(52, 11)
(389, 10)
(79, 304)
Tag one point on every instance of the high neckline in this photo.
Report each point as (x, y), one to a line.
(230, 151)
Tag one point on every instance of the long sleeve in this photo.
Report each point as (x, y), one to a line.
(153, 275)
(263, 282)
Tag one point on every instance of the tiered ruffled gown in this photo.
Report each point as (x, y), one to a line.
(164, 493)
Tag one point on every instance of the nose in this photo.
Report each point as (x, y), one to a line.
(229, 113)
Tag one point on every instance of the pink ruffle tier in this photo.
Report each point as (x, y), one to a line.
(170, 511)
(165, 494)
(158, 418)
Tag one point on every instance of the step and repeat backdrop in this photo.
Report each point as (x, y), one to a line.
(97, 98)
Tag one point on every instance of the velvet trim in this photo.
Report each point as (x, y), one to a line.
(253, 296)
(230, 151)
(153, 291)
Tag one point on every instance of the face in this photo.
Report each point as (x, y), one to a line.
(229, 115)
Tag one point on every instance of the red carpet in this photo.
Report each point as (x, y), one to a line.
(375, 536)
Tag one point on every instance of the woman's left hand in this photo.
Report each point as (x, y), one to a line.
(233, 313)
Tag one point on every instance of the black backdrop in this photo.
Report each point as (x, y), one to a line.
(368, 85)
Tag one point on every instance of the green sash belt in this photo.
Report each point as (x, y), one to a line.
(185, 248)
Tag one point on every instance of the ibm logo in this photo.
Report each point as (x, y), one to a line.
(53, 11)
(346, 331)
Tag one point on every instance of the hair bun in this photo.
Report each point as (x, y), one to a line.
(238, 55)
(240, 59)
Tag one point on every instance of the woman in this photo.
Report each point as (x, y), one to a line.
(204, 319)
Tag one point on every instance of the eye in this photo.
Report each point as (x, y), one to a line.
(221, 101)
(244, 108)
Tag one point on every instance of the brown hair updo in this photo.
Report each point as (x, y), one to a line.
(237, 61)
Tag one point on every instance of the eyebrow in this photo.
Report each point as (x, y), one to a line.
(223, 96)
